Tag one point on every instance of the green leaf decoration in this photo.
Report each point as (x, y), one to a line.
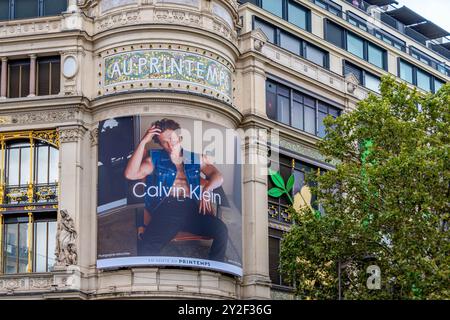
(317, 214)
(276, 192)
(290, 183)
(277, 180)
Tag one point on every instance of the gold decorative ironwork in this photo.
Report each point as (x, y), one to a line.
(29, 208)
(16, 195)
(46, 193)
(29, 242)
(1, 243)
(50, 136)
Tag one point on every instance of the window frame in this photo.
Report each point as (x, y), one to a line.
(303, 43)
(363, 71)
(40, 10)
(415, 70)
(303, 93)
(344, 43)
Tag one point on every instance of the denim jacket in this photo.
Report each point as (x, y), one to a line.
(164, 174)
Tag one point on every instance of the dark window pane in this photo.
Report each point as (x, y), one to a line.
(43, 78)
(14, 81)
(297, 115)
(271, 100)
(350, 68)
(315, 55)
(310, 101)
(55, 77)
(310, 120)
(4, 9)
(25, 81)
(334, 34)
(54, 7)
(334, 112)
(267, 29)
(274, 257)
(283, 109)
(273, 6)
(26, 8)
(290, 43)
(297, 15)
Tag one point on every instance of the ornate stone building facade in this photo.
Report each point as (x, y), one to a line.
(59, 80)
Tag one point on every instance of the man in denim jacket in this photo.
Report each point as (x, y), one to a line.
(183, 198)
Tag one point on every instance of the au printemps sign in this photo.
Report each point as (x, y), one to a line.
(168, 65)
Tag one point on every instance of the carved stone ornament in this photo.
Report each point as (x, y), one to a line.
(352, 82)
(93, 134)
(66, 248)
(40, 117)
(260, 39)
(71, 134)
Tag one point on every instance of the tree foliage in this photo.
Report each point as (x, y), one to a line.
(385, 204)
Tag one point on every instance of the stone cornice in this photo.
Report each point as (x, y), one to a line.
(200, 103)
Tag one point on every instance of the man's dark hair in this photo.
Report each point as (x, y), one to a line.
(163, 125)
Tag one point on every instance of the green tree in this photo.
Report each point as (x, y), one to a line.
(386, 203)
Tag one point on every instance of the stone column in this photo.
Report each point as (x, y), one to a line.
(70, 173)
(32, 75)
(256, 281)
(4, 78)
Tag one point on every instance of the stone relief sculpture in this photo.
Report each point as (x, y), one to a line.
(66, 250)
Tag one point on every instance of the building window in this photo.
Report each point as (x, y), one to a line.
(292, 43)
(22, 9)
(334, 34)
(330, 6)
(375, 56)
(48, 76)
(365, 78)
(418, 77)
(356, 21)
(19, 78)
(17, 254)
(298, 15)
(435, 64)
(273, 6)
(44, 244)
(391, 40)
(356, 45)
(316, 55)
(275, 274)
(289, 10)
(406, 71)
(28, 166)
(297, 109)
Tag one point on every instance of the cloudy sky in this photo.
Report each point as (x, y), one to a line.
(437, 11)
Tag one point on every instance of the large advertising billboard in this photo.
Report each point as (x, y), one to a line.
(169, 194)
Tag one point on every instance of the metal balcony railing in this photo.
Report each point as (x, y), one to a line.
(34, 194)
